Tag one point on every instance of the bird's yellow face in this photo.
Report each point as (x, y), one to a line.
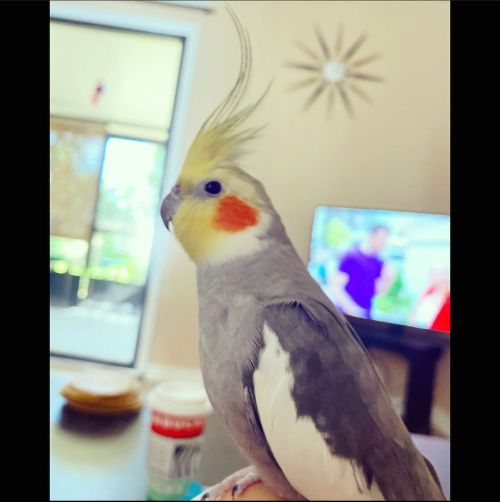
(218, 211)
(218, 215)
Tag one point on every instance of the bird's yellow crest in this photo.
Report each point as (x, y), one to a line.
(221, 138)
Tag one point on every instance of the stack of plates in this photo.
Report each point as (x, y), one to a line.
(103, 393)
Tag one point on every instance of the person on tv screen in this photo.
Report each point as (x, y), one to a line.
(362, 274)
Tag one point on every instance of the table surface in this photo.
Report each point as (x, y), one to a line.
(105, 458)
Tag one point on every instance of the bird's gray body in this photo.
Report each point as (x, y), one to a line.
(328, 362)
(231, 310)
(285, 372)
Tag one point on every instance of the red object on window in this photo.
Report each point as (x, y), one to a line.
(97, 93)
(442, 321)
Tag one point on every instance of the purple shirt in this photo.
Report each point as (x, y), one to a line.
(363, 270)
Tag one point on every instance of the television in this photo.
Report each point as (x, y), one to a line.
(390, 269)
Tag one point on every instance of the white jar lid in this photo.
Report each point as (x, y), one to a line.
(179, 397)
(103, 382)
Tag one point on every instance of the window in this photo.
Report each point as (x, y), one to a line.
(112, 99)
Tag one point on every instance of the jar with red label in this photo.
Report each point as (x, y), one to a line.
(179, 412)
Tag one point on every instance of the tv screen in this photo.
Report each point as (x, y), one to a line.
(383, 265)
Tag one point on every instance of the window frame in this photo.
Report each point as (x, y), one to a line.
(111, 17)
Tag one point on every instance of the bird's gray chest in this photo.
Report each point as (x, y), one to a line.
(228, 334)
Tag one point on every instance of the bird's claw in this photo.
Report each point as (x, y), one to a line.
(237, 483)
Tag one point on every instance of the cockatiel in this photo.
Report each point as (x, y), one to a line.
(284, 370)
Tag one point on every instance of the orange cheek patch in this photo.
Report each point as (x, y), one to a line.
(234, 215)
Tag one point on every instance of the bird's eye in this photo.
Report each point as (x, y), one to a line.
(213, 187)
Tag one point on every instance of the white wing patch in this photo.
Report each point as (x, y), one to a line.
(298, 447)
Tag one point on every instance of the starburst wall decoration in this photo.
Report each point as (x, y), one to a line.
(335, 72)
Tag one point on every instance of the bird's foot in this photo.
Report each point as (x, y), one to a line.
(249, 477)
(235, 484)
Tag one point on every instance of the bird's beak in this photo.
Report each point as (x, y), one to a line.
(170, 205)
